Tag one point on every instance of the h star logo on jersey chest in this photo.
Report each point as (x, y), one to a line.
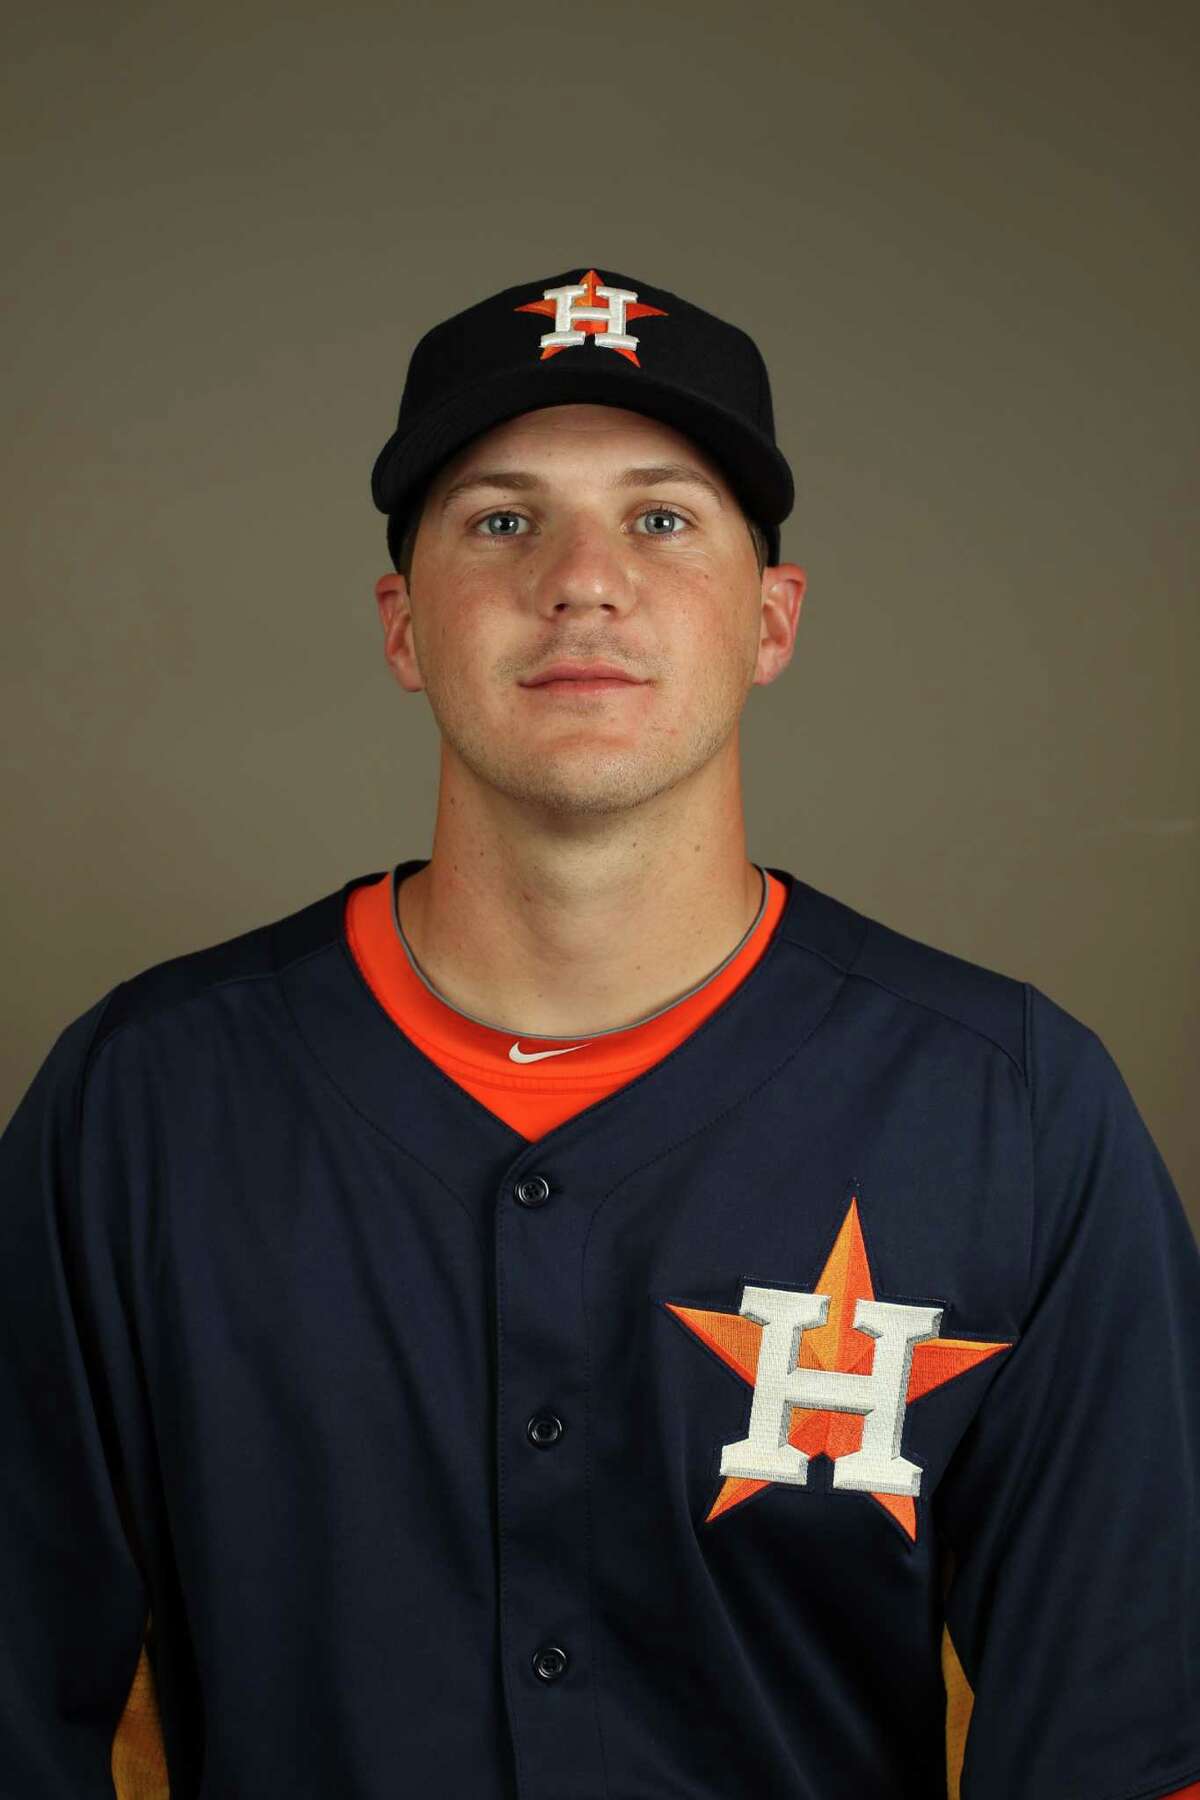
(832, 1372)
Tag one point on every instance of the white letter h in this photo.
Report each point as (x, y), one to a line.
(785, 1314)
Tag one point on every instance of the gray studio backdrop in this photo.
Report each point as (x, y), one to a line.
(964, 237)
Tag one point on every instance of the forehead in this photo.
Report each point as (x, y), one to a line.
(606, 436)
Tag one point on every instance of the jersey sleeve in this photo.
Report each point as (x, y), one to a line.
(1071, 1507)
(74, 1603)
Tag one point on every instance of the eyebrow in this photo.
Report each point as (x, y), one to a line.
(643, 477)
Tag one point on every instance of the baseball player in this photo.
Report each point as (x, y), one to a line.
(584, 1315)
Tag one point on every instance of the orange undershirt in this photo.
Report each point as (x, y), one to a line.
(531, 1097)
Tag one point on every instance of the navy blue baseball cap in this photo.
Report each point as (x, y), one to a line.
(605, 338)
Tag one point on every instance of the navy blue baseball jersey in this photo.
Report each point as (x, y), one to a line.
(795, 1396)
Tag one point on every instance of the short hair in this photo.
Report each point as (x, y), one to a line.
(402, 528)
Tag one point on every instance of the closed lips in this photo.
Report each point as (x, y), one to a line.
(580, 672)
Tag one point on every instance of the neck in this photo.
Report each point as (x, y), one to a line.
(589, 925)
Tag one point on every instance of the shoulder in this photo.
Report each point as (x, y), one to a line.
(987, 1004)
(164, 990)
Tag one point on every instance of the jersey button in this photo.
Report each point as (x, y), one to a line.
(543, 1430)
(549, 1662)
(533, 1191)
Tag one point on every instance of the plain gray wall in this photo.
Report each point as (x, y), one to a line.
(965, 240)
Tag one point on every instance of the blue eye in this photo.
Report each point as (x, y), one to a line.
(659, 512)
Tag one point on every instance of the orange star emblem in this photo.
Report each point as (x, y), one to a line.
(586, 313)
(869, 1360)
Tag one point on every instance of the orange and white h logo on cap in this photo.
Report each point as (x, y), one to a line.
(574, 324)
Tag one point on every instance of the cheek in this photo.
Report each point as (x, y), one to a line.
(459, 645)
(725, 648)
(438, 621)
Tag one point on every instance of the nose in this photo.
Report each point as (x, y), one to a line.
(584, 569)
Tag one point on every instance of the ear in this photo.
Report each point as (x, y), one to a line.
(399, 645)
(783, 588)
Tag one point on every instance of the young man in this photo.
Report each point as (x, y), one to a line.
(582, 1315)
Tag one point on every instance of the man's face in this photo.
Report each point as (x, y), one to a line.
(564, 555)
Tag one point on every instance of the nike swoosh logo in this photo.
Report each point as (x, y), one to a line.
(516, 1054)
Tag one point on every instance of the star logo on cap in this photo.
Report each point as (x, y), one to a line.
(590, 310)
